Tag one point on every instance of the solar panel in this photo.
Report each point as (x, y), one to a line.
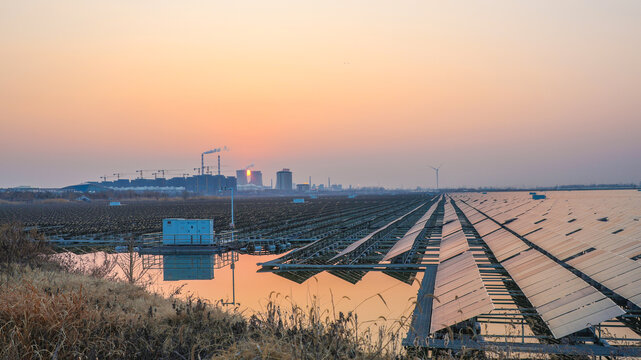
(617, 273)
(504, 244)
(451, 223)
(459, 291)
(486, 226)
(564, 301)
(357, 243)
(453, 245)
(407, 241)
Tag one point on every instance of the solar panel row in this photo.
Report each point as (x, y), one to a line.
(351, 247)
(564, 301)
(569, 230)
(459, 292)
(406, 242)
(450, 220)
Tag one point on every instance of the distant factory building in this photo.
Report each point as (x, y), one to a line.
(231, 183)
(121, 183)
(302, 187)
(255, 177)
(241, 177)
(284, 180)
(216, 183)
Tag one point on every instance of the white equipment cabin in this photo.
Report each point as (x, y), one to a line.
(187, 232)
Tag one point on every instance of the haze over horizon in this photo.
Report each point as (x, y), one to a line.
(368, 93)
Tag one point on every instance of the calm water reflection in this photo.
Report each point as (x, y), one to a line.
(210, 277)
(188, 267)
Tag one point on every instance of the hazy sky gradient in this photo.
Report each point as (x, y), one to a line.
(367, 92)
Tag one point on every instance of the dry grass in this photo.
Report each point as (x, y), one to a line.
(18, 246)
(48, 313)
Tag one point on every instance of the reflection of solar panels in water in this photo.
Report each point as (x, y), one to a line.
(298, 277)
(351, 276)
(150, 261)
(407, 277)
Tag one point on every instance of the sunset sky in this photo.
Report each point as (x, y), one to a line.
(367, 92)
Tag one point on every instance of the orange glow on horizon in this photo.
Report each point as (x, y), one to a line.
(367, 93)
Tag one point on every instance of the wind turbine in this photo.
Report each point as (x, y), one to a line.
(436, 169)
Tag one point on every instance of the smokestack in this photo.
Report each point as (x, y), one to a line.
(202, 158)
(329, 183)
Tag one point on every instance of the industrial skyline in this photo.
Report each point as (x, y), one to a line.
(203, 182)
(247, 176)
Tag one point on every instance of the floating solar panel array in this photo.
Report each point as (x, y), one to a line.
(563, 266)
(601, 247)
(565, 302)
(353, 246)
(459, 293)
(549, 247)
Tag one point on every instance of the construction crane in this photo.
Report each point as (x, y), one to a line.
(167, 172)
(140, 172)
(120, 175)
